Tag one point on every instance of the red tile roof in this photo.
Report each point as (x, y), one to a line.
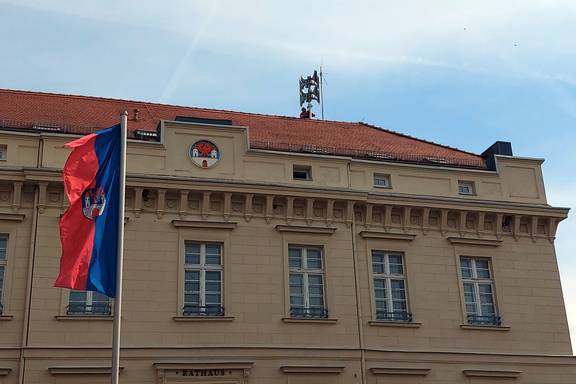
(82, 114)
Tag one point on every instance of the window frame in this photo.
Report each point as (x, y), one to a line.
(476, 282)
(382, 176)
(3, 152)
(4, 277)
(387, 277)
(469, 184)
(202, 268)
(88, 302)
(306, 272)
(307, 169)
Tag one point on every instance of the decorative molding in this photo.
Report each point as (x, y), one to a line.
(309, 321)
(491, 373)
(400, 371)
(202, 318)
(12, 216)
(318, 369)
(304, 229)
(204, 224)
(399, 324)
(485, 327)
(5, 371)
(387, 235)
(471, 241)
(81, 370)
(204, 364)
(6, 317)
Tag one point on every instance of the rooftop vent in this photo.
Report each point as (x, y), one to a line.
(202, 120)
(46, 128)
(146, 135)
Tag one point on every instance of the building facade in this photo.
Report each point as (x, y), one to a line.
(265, 249)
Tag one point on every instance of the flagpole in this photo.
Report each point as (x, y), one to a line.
(118, 299)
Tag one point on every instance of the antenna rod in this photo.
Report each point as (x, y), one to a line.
(321, 94)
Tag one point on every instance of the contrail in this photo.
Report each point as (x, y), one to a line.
(179, 71)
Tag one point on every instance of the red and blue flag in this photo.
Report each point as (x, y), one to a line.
(89, 227)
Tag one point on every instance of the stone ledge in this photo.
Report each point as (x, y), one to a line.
(81, 370)
(387, 235)
(400, 324)
(6, 317)
(491, 373)
(474, 241)
(5, 371)
(204, 224)
(12, 216)
(309, 321)
(485, 327)
(203, 318)
(305, 229)
(400, 371)
(335, 370)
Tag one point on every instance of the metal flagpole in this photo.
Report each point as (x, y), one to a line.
(321, 93)
(118, 299)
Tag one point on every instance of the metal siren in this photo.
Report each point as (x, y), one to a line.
(204, 153)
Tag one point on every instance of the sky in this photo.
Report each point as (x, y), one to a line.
(462, 73)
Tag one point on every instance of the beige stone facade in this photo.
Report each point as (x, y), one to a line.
(250, 204)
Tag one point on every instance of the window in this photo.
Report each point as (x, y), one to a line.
(3, 257)
(203, 279)
(306, 282)
(301, 172)
(478, 291)
(88, 303)
(3, 151)
(466, 187)
(381, 181)
(390, 286)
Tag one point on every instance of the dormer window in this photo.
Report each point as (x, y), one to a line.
(302, 172)
(382, 181)
(466, 188)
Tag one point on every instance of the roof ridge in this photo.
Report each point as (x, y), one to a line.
(149, 103)
(416, 138)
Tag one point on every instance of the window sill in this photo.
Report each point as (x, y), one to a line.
(485, 327)
(382, 186)
(85, 317)
(203, 318)
(6, 317)
(310, 321)
(400, 324)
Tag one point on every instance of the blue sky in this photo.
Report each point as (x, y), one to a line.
(462, 73)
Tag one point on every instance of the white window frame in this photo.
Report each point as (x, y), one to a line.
(302, 168)
(202, 268)
(305, 272)
(387, 277)
(468, 184)
(476, 283)
(382, 176)
(89, 302)
(4, 265)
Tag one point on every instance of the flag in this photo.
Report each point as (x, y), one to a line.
(89, 227)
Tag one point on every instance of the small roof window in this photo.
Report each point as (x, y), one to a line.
(302, 172)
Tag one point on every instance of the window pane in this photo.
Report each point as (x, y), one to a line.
(77, 296)
(381, 305)
(99, 298)
(213, 254)
(213, 298)
(212, 276)
(295, 257)
(395, 264)
(297, 301)
(317, 301)
(192, 286)
(399, 305)
(314, 258)
(192, 298)
(296, 279)
(378, 262)
(314, 280)
(192, 275)
(192, 255)
(466, 266)
(470, 309)
(212, 286)
(3, 242)
(487, 309)
(469, 293)
(483, 268)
